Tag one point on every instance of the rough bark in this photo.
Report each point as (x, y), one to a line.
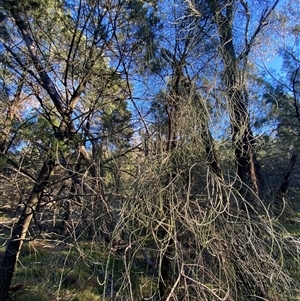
(247, 166)
(20, 229)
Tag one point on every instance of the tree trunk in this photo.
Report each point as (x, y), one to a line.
(20, 229)
(172, 109)
(282, 190)
(247, 166)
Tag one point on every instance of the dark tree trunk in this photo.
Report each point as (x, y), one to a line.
(165, 282)
(19, 232)
(65, 131)
(282, 190)
(172, 109)
(247, 166)
(66, 218)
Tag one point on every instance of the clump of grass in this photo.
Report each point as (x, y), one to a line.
(34, 296)
(293, 228)
(147, 287)
(87, 295)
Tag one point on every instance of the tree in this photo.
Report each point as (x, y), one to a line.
(140, 145)
(282, 96)
(65, 70)
(246, 202)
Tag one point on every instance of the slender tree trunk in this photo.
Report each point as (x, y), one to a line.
(20, 229)
(165, 269)
(66, 217)
(282, 190)
(247, 166)
(165, 281)
(65, 130)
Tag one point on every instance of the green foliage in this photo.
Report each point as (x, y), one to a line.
(3, 162)
(23, 5)
(87, 295)
(34, 296)
(135, 187)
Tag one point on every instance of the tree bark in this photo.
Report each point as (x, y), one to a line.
(282, 190)
(247, 166)
(20, 229)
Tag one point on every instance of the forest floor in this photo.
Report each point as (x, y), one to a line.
(53, 267)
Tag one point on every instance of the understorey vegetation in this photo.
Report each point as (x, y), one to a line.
(149, 150)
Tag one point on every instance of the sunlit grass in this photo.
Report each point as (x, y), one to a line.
(68, 272)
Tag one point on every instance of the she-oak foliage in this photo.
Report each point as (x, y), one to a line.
(128, 138)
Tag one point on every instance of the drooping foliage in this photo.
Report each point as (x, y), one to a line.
(146, 141)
